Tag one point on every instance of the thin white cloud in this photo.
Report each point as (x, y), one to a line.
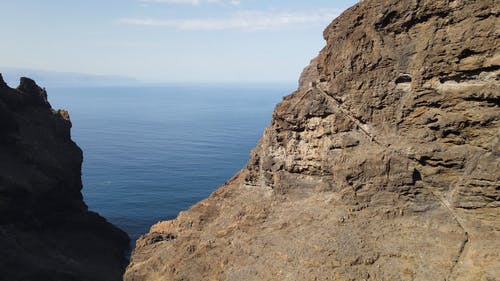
(247, 20)
(194, 2)
(127, 44)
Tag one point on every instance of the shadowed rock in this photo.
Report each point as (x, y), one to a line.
(46, 230)
(2, 82)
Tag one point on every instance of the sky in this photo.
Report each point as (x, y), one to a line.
(167, 40)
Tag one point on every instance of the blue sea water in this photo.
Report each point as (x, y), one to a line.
(152, 151)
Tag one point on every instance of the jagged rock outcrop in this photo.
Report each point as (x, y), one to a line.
(383, 165)
(46, 231)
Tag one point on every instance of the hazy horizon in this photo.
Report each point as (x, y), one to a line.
(50, 79)
(167, 41)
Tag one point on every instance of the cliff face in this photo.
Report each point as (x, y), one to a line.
(383, 165)
(46, 231)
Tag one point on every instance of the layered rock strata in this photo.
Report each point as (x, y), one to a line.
(46, 230)
(383, 165)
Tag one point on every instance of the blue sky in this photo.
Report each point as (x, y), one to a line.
(167, 40)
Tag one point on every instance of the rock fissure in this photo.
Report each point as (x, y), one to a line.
(459, 258)
(362, 127)
(372, 137)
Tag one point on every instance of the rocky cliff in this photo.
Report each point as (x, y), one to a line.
(383, 165)
(46, 231)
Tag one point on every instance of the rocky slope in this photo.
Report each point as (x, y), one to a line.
(383, 165)
(46, 231)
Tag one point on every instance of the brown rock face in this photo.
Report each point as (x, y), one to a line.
(383, 165)
(46, 231)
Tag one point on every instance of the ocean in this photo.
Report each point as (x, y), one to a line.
(152, 151)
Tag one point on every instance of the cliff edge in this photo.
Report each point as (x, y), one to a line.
(383, 165)
(46, 230)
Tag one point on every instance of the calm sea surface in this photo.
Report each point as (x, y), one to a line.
(150, 152)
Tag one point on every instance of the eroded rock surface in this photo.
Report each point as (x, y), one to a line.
(383, 165)
(46, 231)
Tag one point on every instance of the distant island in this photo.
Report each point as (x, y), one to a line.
(64, 79)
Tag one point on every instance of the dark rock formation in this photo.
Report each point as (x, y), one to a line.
(46, 231)
(383, 165)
